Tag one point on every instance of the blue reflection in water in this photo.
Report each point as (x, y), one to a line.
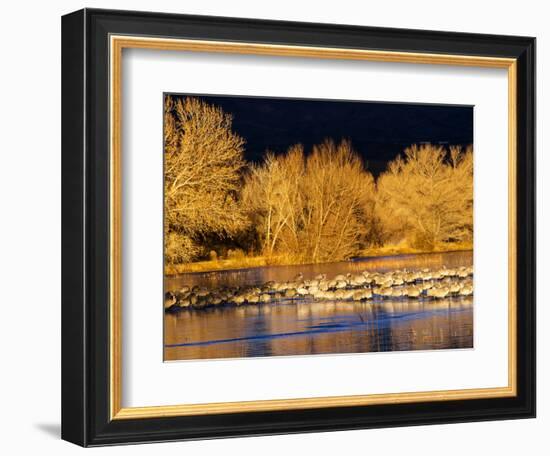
(302, 328)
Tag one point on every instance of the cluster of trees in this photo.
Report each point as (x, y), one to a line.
(429, 193)
(309, 207)
(316, 207)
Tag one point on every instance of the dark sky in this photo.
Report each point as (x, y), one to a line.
(378, 131)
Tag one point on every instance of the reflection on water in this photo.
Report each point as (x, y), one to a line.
(255, 276)
(319, 327)
(309, 327)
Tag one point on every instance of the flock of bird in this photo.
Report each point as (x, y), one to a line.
(399, 284)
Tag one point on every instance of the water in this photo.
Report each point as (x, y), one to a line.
(307, 328)
(256, 276)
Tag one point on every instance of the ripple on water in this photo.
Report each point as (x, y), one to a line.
(319, 328)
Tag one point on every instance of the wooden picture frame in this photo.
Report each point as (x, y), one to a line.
(92, 45)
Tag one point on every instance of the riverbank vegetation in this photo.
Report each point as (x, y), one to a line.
(299, 206)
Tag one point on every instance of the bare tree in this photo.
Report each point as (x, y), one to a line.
(271, 197)
(203, 162)
(337, 191)
(427, 196)
(319, 207)
(313, 209)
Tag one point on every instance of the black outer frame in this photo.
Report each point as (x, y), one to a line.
(85, 227)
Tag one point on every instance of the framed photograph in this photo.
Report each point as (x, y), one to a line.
(278, 227)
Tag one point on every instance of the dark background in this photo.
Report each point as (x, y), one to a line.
(378, 131)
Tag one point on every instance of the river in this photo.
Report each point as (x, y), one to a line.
(307, 328)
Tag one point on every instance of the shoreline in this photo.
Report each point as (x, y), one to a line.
(205, 267)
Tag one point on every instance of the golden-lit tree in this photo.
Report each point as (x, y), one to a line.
(312, 209)
(203, 159)
(271, 197)
(338, 192)
(427, 196)
(317, 207)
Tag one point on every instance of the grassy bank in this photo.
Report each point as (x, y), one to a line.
(285, 260)
(229, 263)
(404, 249)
